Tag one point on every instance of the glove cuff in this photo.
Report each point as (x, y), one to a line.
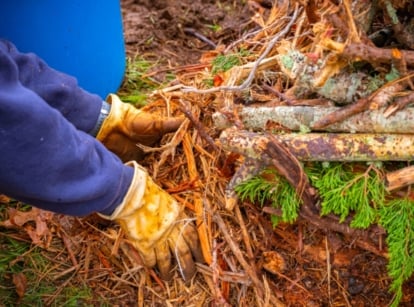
(147, 213)
(115, 120)
(103, 114)
(133, 198)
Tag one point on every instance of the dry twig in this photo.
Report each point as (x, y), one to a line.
(252, 73)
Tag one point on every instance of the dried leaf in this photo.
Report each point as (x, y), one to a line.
(20, 281)
(218, 80)
(4, 199)
(273, 262)
(40, 234)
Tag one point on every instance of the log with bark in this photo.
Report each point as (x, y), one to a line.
(297, 118)
(284, 151)
(348, 147)
(311, 147)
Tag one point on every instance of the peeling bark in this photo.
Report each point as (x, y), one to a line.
(297, 117)
(400, 178)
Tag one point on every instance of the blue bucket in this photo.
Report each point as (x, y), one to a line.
(83, 38)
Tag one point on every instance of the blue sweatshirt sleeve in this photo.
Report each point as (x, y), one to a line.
(45, 160)
(57, 89)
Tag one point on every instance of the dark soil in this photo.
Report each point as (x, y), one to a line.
(181, 31)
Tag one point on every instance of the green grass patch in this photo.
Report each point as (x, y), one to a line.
(41, 288)
(224, 62)
(138, 82)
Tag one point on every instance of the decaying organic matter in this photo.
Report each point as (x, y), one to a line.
(346, 96)
(400, 178)
(316, 80)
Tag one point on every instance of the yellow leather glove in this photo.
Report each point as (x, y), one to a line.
(126, 126)
(157, 227)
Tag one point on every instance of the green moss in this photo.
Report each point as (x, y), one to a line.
(392, 75)
(287, 61)
(223, 63)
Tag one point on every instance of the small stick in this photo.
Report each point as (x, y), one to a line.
(68, 248)
(202, 229)
(250, 78)
(232, 277)
(402, 102)
(200, 37)
(219, 298)
(187, 112)
(328, 266)
(370, 54)
(279, 94)
(238, 254)
(245, 233)
(343, 113)
(87, 259)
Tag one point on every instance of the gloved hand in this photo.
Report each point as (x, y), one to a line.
(126, 126)
(157, 227)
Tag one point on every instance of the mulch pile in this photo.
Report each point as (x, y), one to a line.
(248, 261)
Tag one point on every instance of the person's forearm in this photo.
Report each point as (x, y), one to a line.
(59, 90)
(46, 162)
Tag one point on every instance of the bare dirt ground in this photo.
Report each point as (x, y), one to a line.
(168, 29)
